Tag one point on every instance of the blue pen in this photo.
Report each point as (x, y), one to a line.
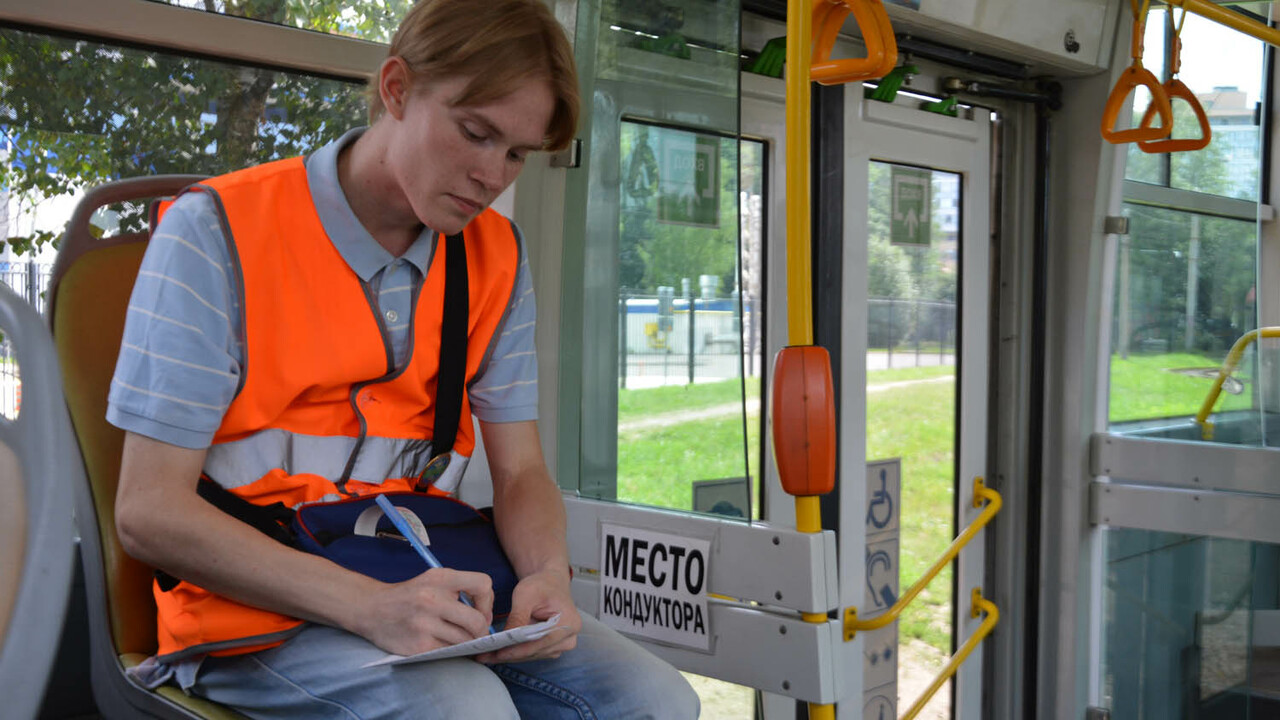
(429, 557)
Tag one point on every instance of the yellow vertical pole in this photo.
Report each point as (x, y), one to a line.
(799, 277)
(799, 260)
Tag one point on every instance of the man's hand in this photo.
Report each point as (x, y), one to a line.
(424, 613)
(537, 597)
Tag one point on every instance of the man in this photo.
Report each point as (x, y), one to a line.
(283, 340)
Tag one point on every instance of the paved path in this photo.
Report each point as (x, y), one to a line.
(680, 416)
(727, 409)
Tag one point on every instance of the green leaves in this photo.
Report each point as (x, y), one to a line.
(30, 244)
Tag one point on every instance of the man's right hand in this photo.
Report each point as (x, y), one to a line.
(425, 613)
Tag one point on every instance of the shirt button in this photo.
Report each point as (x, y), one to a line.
(392, 316)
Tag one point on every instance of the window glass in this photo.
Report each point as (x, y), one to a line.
(374, 20)
(1222, 68)
(1185, 294)
(680, 397)
(121, 112)
(913, 271)
(1178, 629)
(1141, 166)
(10, 381)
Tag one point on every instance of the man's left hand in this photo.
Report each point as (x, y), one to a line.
(536, 598)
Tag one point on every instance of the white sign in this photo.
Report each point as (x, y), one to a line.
(880, 647)
(654, 585)
(880, 659)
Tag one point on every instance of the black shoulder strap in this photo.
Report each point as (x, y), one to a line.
(453, 347)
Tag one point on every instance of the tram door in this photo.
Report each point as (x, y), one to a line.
(914, 347)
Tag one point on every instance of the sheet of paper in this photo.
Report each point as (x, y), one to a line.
(496, 641)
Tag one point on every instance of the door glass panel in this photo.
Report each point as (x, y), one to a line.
(1183, 619)
(680, 320)
(912, 332)
(1185, 294)
(652, 360)
(663, 417)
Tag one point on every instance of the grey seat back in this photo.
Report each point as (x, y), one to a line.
(39, 466)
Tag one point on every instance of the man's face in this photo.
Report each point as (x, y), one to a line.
(452, 161)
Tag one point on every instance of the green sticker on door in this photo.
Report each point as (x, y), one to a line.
(912, 216)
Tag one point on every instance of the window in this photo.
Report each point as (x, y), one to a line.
(1223, 69)
(121, 112)
(1186, 289)
(373, 20)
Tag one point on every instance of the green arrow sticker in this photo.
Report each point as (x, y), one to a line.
(912, 217)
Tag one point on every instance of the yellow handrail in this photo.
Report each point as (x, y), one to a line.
(980, 492)
(978, 605)
(1228, 367)
(1230, 18)
(799, 274)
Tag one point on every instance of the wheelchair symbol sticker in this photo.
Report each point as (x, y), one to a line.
(884, 495)
(880, 510)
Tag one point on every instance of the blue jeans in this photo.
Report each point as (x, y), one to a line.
(317, 676)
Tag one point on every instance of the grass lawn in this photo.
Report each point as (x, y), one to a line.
(1143, 388)
(914, 422)
(656, 465)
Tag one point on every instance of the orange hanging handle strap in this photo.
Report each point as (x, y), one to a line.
(1175, 88)
(1132, 77)
(877, 35)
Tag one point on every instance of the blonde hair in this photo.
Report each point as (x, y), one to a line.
(499, 44)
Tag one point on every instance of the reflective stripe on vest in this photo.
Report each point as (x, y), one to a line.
(322, 410)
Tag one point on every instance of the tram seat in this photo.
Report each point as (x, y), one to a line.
(37, 471)
(89, 294)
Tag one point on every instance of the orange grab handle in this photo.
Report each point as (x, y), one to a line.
(1176, 89)
(877, 35)
(804, 420)
(1132, 77)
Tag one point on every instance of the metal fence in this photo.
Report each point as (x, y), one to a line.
(31, 281)
(904, 332)
(699, 340)
(686, 341)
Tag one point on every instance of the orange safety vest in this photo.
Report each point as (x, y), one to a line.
(322, 411)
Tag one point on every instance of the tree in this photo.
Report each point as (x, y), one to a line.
(76, 113)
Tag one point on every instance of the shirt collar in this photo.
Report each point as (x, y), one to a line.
(353, 242)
